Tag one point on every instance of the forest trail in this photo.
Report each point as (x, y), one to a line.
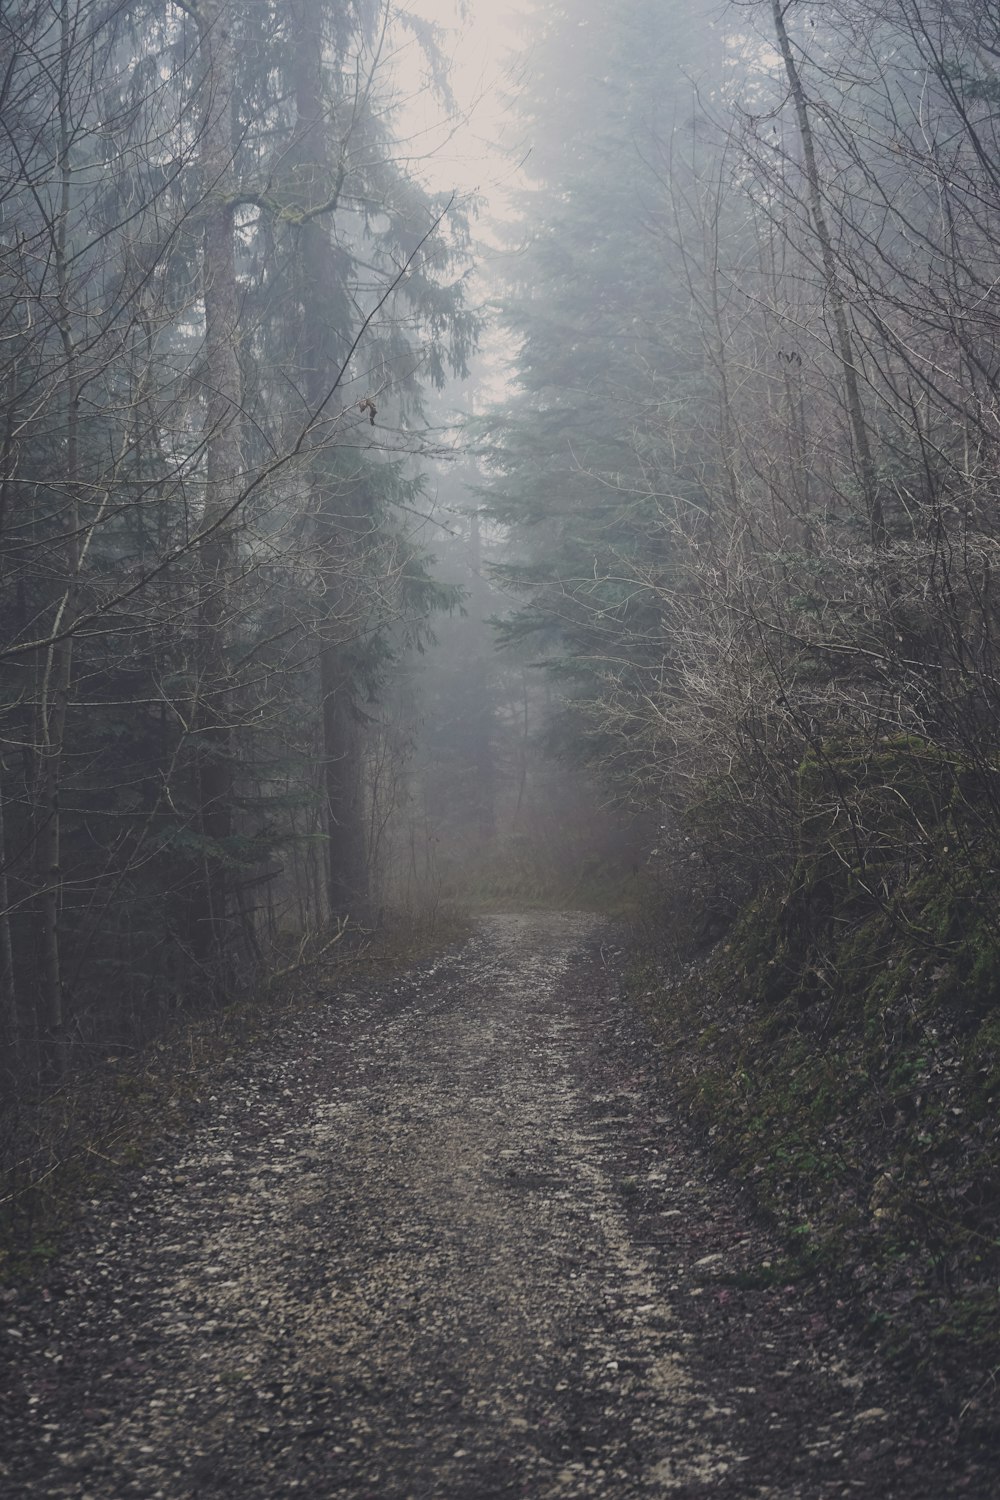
(444, 1239)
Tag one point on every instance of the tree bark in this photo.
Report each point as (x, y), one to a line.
(223, 482)
(8, 990)
(56, 676)
(481, 728)
(334, 506)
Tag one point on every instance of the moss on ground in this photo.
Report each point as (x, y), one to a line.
(840, 1053)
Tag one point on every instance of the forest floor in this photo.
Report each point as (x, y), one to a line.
(442, 1236)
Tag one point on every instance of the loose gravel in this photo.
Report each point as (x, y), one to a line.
(444, 1238)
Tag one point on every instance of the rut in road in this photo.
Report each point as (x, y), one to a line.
(447, 1241)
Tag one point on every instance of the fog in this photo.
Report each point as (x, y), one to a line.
(499, 748)
(470, 453)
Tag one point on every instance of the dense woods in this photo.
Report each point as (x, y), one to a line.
(224, 302)
(748, 460)
(726, 544)
(748, 470)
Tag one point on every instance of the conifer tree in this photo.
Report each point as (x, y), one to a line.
(593, 457)
(210, 258)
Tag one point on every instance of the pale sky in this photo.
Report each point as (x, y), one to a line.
(480, 151)
(477, 152)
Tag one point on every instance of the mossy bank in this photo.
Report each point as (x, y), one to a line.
(839, 1052)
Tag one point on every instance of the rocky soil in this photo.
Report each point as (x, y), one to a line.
(443, 1238)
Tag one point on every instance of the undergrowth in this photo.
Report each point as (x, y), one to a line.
(523, 880)
(839, 1053)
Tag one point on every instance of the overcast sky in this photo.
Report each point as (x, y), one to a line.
(477, 152)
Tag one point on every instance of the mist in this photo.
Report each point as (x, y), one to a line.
(470, 461)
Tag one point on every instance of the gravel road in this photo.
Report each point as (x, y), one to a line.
(443, 1238)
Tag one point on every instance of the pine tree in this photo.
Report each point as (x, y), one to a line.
(209, 256)
(603, 444)
(338, 215)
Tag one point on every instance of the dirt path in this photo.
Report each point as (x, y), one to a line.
(447, 1242)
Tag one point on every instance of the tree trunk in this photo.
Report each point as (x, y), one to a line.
(57, 671)
(336, 508)
(481, 728)
(8, 991)
(347, 853)
(223, 479)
